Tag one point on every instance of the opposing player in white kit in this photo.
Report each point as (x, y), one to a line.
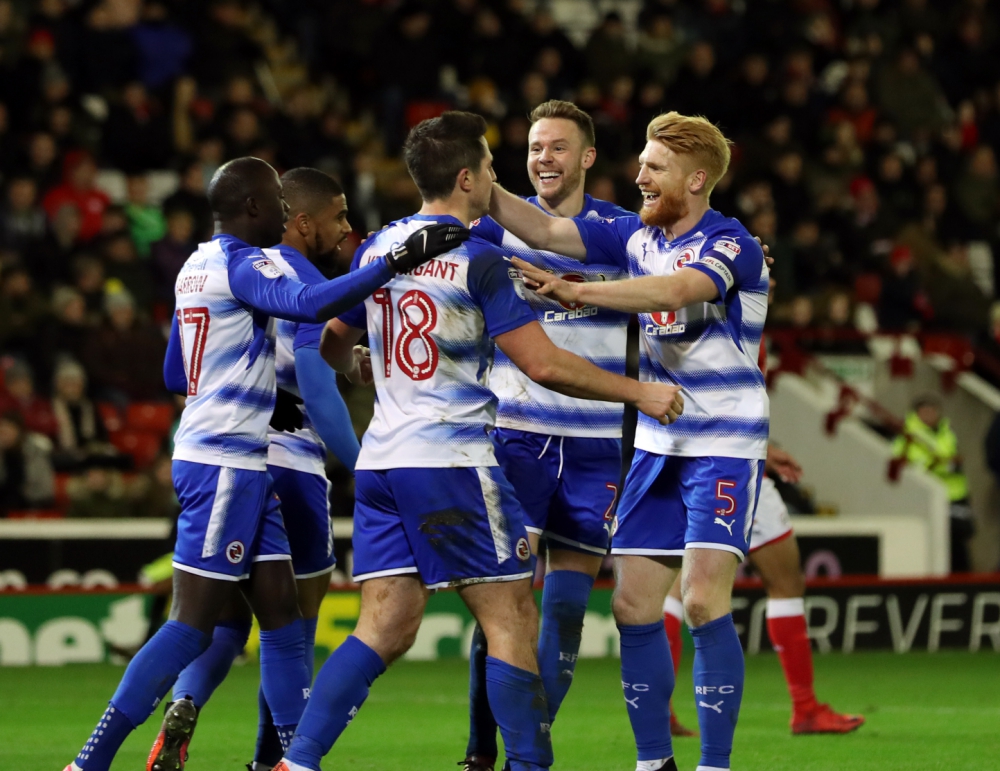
(774, 553)
(699, 285)
(432, 508)
(230, 527)
(562, 455)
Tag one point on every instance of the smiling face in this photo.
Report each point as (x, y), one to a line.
(557, 158)
(664, 180)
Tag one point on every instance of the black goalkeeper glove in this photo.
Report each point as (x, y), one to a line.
(426, 244)
(286, 416)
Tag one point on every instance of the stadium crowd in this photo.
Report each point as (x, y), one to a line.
(866, 132)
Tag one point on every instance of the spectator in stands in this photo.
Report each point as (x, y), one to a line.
(929, 442)
(22, 220)
(22, 313)
(607, 53)
(163, 47)
(152, 492)
(124, 357)
(190, 196)
(88, 280)
(122, 264)
(977, 192)
(903, 304)
(68, 332)
(911, 97)
(19, 396)
(27, 480)
(146, 221)
(79, 189)
(99, 492)
(169, 254)
(42, 161)
(80, 432)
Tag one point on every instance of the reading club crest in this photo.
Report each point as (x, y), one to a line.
(235, 552)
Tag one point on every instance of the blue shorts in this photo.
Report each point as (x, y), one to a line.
(567, 485)
(305, 507)
(452, 526)
(671, 503)
(230, 518)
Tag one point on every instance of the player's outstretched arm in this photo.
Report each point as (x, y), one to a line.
(262, 285)
(536, 228)
(559, 370)
(647, 294)
(325, 406)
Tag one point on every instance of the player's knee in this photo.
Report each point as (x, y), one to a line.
(629, 610)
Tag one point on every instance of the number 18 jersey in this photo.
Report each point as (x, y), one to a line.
(430, 337)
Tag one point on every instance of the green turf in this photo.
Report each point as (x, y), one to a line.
(939, 711)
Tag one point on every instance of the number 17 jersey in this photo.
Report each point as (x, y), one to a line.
(430, 336)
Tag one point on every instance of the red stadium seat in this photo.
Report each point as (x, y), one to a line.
(143, 446)
(62, 493)
(111, 416)
(868, 288)
(150, 416)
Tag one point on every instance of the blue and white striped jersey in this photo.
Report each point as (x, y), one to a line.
(430, 337)
(596, 334)
(709, 349)
(302, 449)
(222, 344)
(228, 358)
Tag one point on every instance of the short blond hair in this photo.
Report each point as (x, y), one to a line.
(557, 108)
(695, 136)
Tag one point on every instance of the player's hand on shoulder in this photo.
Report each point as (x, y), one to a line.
(426, 244)
(545, 283)
(362, 372)
(661, 401)
(767, 252)
(286, 416)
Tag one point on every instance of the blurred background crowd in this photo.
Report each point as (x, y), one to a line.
(866, 138)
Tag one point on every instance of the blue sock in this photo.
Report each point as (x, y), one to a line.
(482, 725)
(270, 745)
(269, 749)
(309, 632)
(284, 676)
(517, 698)
(147, 679)
(341, 688)
(718, 687)
(564, 602)
(202, 676)
(648, 682)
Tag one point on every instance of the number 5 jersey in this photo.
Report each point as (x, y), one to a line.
(430, 337)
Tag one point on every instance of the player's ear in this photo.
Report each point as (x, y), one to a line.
(589, 156)
(251, 206)
(466, 180)
(696, 181)
(302, 223)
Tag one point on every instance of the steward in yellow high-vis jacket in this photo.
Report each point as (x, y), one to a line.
(929, 442)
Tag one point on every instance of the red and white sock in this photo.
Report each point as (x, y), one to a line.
(673, 617)
(786, 625)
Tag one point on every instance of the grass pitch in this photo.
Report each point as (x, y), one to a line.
(939, 711)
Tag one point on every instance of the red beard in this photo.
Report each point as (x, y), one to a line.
(668, 210)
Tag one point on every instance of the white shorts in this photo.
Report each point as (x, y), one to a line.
(771, 522)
